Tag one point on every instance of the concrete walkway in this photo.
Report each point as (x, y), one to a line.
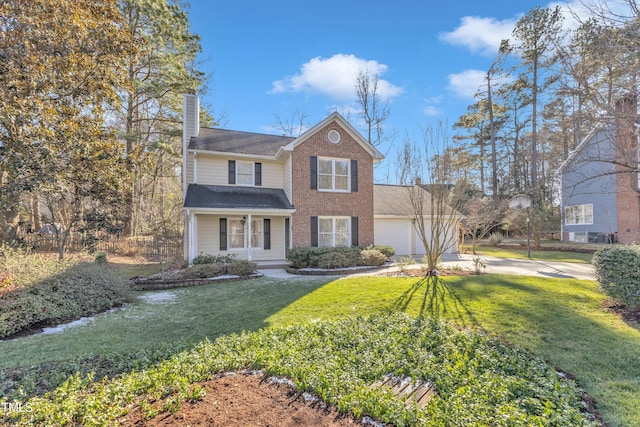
(523, 267)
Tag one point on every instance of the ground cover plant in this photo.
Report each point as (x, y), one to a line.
(479, 381)
(562, 320)
(38, 290)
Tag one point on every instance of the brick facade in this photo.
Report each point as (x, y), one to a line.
(310, 203)
(627, 194)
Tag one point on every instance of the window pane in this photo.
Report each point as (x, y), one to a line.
(236, 239)
(244, 179)
(256, 233)
(588, 214)
(325, 225)
(325, 166)
(245, 167)
(342, 225)
(325, 240)
(324, 182)
(342, 167)
(342, 239)
(342, 183)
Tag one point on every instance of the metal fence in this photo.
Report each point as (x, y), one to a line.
(151, 247)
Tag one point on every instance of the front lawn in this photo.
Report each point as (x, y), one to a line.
(559, 319)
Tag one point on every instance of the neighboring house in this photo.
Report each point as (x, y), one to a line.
(599, 182)
(257, 195)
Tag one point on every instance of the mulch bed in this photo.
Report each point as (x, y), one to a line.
(247, 400)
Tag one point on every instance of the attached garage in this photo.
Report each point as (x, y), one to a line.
(393, 222)
(394, 232)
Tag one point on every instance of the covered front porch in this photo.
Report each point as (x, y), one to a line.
(250, 223)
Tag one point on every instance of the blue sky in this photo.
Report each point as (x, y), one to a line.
(282, 56)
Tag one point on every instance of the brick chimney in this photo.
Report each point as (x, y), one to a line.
(627, 190)
(190, 127)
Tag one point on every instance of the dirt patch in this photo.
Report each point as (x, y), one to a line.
(247, 400)
(622, 311)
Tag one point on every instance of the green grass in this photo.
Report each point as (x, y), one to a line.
(560, 319)
(543, 255)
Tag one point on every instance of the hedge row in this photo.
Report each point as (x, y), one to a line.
(339, 257)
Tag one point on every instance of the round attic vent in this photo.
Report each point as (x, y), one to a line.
(334, 136)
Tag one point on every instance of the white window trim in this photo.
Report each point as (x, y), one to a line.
(333, 174)
(253, 173)
(580, 214)
(333, 227)
(245, 238)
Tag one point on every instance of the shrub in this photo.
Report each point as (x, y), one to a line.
(305, 256)
(495, 239)
(325, 257)
(204, 271)
(213, 259)
(101, 257)
(333, 259)
(373, 257)
(388, 251)
(81, 289)
(241, 267)
(618, 273)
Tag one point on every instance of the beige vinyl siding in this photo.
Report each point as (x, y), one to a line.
(208, 234)
(189, 168)
(214, 170)
(287, 177)
(208, 240)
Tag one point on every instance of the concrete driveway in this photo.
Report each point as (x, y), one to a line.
(523, 267)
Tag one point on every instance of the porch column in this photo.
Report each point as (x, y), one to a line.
(249, 237)
(192, 236)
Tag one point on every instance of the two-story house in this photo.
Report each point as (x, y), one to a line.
(600, 185)
(257, 195)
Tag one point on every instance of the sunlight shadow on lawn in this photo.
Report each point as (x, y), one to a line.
(439, 300)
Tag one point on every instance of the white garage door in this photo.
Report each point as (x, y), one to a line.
(393, 232)
(420, 250)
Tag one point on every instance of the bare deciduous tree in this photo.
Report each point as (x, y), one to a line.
(426, 180)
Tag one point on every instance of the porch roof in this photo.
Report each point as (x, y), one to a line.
(235, 197)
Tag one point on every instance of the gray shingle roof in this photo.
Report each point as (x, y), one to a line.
(394, 200)
(231, 197)
(232, 141)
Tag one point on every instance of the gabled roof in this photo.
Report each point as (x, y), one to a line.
(233, 141)
(235, 197)
(585, 141)
(346, 126)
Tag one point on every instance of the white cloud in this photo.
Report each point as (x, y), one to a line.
(335, 77)
(466, 83)
(479, 34)
(431, 111)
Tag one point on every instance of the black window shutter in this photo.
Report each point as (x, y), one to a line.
(258, 174)
(354, 231)
(232, 171)
(223, 234)
(267, 233)
(314, 172)
(314, 231)
(354, 175)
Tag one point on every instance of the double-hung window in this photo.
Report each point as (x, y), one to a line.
(238, 230)
(245, 173)
(334, 231)
(333, 174)
(578, 215)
